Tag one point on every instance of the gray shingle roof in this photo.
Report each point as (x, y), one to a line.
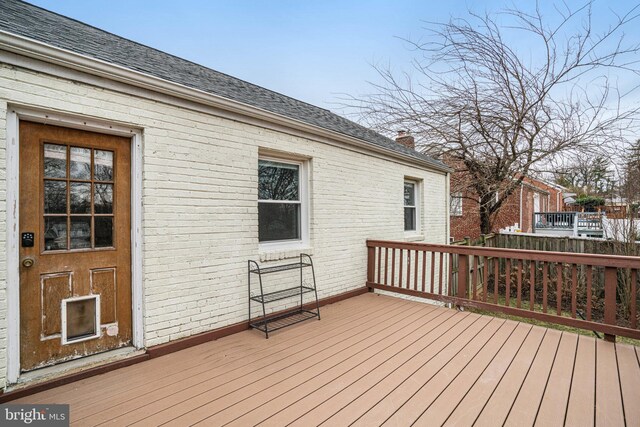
(59, 31)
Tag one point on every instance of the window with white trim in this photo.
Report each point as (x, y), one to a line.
(281, 201)
(456, 204)
(411, 212)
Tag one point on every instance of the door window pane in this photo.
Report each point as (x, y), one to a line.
(104, 231)
(278, 221)
(55, 197)
(55, 233)
(80, 232)
(80, 163)
(80, 198)
(103, 198)
(55, 161)
(103, 169)
(278, 181)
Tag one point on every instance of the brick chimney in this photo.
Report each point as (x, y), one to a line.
(405, 138)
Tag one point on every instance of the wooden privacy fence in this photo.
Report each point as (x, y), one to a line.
(589, 291)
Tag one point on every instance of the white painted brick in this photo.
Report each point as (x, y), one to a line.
(200, 210)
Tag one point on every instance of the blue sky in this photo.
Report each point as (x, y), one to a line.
(310, 50)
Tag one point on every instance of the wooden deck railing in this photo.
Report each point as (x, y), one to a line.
(588, 291)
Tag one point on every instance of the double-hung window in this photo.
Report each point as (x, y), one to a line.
(281, 213)
(411, 218)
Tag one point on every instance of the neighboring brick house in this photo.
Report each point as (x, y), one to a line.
(121, 161)
(532, 195)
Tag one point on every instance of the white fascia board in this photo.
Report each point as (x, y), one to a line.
(34, 49)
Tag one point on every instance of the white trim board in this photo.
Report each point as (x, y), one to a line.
(14, 115)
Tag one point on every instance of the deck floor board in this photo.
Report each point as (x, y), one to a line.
(372, 360)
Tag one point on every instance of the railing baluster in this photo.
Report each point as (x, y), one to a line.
(519, 290)
(386, 264)
(507, 283)
(440, 273)
(433, 270)
(400, 269)
(610, 288)
(574, 290)
(532, 284)
(634, 295)
(545, 285)
(393, 267)
(474, 277)
(449, 290)
(463, 276)
(424, 270)
(408, 269)
(589, 274)
(496, 278)
(379, 264)
(485, 282)
(415, 273)
(559, 274)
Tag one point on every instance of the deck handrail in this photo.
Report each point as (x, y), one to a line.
(514, 281)
(575, 221)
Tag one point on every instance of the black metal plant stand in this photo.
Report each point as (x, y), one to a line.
(299, 314)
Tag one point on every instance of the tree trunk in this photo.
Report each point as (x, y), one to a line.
(485, 221)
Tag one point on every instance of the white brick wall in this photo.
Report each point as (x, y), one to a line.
(200, 211)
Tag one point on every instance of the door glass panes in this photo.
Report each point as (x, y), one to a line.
(55, 161)
(80, 163)
(103, 198)
(55, 197)
(103, 165)
(80, 232)
(55, 233)
(104, 231)
(78, 193)
(80, 198)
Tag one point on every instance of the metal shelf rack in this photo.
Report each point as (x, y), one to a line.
(290, 317)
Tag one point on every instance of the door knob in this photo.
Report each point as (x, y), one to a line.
(28, 262)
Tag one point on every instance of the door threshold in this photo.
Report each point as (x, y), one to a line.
(71, 367)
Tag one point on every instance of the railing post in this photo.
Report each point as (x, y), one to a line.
(463, 274)
(371, 264)
(610, 289)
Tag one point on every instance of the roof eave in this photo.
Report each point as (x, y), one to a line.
(34, 49)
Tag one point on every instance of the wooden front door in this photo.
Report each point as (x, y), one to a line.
(75, 244)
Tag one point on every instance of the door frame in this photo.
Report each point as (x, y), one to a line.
(14, 115)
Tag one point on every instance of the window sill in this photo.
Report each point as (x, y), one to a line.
(279, 253)
(414, 237)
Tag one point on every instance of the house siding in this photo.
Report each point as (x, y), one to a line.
(199, 195)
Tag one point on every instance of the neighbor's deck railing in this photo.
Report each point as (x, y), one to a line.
(569, 221)
(589, 291)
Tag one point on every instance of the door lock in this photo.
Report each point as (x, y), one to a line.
(28, 262)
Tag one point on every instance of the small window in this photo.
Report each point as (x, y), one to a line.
(410, 206)
(456, 204)
(280, 196)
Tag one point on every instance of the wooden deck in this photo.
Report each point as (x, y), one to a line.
(373, 360)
